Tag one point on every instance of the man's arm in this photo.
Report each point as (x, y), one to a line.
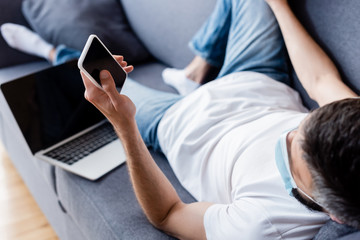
(315, 70)
(156, 195)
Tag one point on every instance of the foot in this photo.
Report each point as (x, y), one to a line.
(178, 80)
(25, 40)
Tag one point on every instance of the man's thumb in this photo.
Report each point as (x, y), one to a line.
(107, 82)
(106, 79)
(104, 75)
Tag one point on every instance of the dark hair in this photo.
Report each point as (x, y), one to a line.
(331, 146)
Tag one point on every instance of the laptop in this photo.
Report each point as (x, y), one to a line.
(59, 125)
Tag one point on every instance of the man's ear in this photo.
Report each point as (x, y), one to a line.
(335, 219)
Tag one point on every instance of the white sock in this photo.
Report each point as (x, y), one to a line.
(23, 39)
(178, 80)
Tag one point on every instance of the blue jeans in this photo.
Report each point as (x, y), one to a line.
(64, 54)
(240, 35)
(243, 35)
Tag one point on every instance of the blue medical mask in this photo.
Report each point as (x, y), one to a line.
(282, 162)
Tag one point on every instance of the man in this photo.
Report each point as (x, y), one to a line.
(206, 132)
(221, 142)
(235, 141)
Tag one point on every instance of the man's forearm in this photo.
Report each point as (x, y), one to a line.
(153, 190)
(156, 195)
(313, 67)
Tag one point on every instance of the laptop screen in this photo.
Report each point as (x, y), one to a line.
(49, 106)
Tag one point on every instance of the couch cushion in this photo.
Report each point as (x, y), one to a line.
(10, 11)
(107, 208)
(166, 33)
(70, 22)
(335, 27)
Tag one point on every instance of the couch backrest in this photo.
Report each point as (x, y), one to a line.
(165, 27)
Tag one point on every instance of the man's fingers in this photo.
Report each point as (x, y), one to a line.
(123, 64)
(119, 58)
(129, 69)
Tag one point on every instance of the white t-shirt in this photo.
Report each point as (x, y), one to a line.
(220, 141)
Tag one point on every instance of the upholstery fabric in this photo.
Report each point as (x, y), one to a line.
(165, 27)
(333, 230)
(352, 236)
(71, 22)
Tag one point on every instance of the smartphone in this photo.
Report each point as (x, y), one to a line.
(95, 57)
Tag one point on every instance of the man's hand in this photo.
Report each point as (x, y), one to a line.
(119, 109)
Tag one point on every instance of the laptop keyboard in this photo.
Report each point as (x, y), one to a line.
(77, 149)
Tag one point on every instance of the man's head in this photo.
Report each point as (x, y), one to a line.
(325, 159)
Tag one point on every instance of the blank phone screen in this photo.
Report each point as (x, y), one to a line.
(98, 59)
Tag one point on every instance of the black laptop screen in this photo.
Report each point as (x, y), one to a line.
(49, 106)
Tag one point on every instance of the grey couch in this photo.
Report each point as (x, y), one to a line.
(107, 208)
